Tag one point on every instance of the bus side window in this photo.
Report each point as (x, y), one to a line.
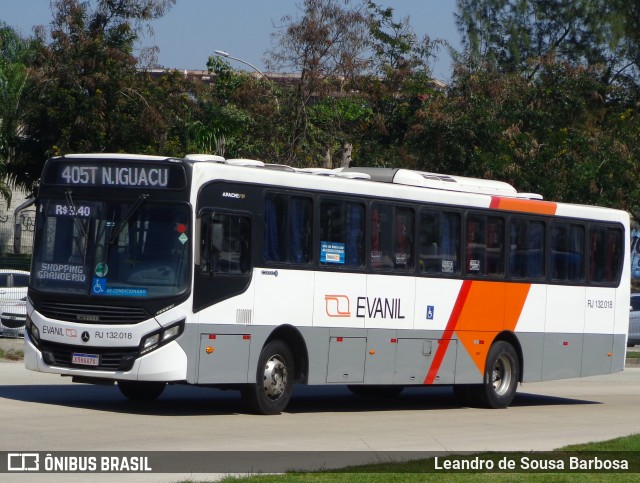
(225, 244)
(287, 229)
(605, 248)
(341, 233)
(439, 250)
(382, 256)
(567, 252)
(526, 253)
(392, 233)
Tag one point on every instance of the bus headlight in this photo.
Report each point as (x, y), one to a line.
(32, 329)
(150, 343)
(171, 333)
(161, 337)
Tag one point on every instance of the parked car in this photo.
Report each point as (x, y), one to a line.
(13, 316)
(634, 320)
(13, 285)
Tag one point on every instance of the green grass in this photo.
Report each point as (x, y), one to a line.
(423, 470)
(626, 443)
(633, 354)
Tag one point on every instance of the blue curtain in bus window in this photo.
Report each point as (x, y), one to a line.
(514, 254)
(567, 245)
(450, 234)
(353, 238)
(298, 230)
(535, 253)
(526, 254)
(577, 248)
(271, 251)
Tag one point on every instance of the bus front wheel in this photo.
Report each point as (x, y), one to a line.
(142, 391)
(274, 380)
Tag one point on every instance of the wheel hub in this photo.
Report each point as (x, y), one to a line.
(501, 375)
(275, 377)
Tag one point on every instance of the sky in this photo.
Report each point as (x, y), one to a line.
(189, 33)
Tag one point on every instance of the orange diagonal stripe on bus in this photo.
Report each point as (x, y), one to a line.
(482, 310)
(490, 308)
(448, 333)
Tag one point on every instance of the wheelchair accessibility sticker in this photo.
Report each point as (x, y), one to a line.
(99, 287)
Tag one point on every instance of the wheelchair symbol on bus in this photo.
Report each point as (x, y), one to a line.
(99, 285)
(430, 309)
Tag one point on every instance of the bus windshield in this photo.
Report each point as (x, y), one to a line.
(133, 248)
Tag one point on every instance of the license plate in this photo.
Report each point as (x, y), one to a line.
(85, 359)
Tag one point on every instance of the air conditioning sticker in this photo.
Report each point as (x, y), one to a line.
(99, 287)
(332, 252)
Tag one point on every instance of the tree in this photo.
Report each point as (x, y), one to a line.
(327, 47)
(15, 54)
(85, 93)
(362, 74)
(555, 135)
(517, 35)
(398, 82)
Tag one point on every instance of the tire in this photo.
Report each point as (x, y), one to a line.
(274, 380)
(141, 391)
(501, 376)
(367, 390)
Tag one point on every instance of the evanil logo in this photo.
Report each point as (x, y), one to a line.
(238, 196)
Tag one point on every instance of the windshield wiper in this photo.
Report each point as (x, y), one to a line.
(116, 232)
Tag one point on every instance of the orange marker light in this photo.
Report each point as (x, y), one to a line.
(372, 352)
(209, 350)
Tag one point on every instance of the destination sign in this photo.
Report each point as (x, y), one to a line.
(121, 175)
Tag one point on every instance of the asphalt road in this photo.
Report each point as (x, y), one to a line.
(43, 412)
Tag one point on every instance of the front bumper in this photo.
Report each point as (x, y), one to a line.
(168, 363)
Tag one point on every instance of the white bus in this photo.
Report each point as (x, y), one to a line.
(243, 275)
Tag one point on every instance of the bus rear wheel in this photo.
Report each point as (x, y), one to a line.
(142, 391)
(274, 380)
(500, 381)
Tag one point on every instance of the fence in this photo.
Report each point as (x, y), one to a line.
(17, 230)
